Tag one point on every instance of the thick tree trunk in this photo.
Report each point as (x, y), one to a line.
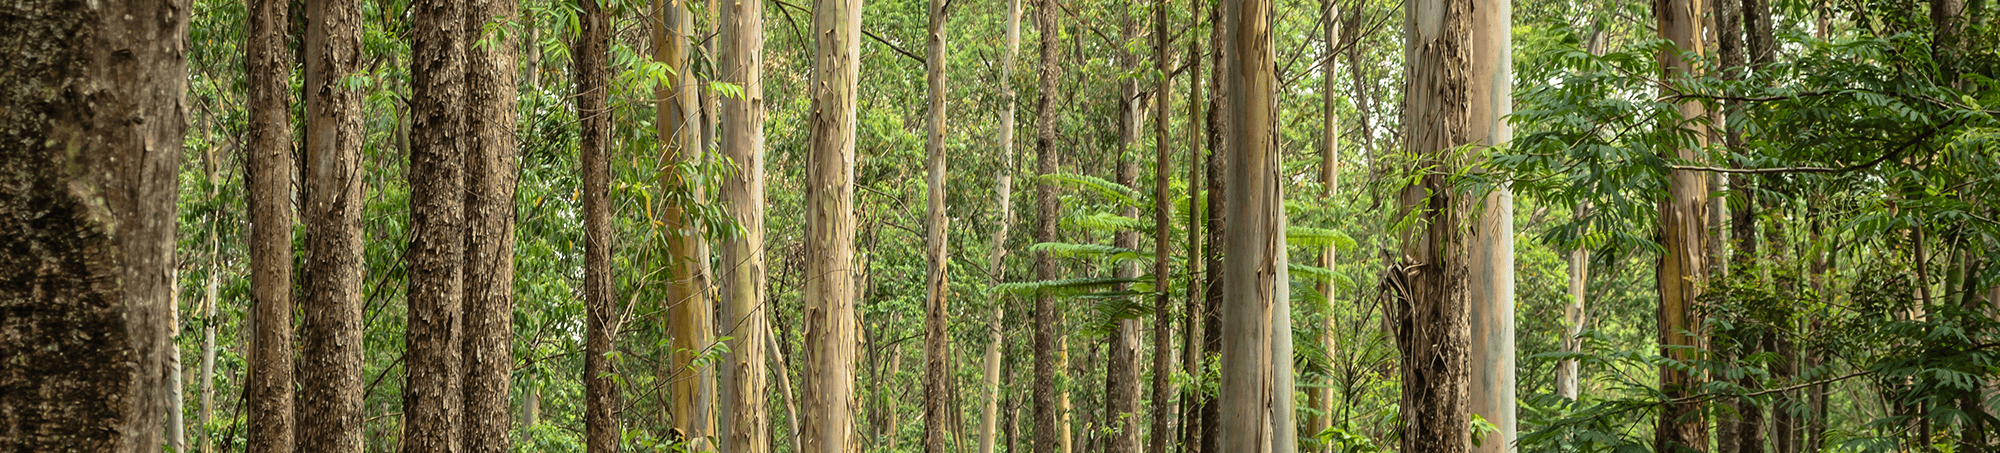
(743, 292)
(492, 168)
(1492, 267)
(1048, 436)
(329, 369)
(1683, 236)
(1163, 404)
(830, 319)
(1250, 392)
(689, 311)
(590, 56)
(1431, 304)
(432, 399)
(268, 68)
(937, 386)
(91, 171)
(996, 267)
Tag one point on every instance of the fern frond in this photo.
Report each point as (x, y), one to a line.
(1110, 190)
(1063, 287)
(1318, 237)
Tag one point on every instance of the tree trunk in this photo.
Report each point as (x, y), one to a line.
(1195, 399)
(1683, 236)
(1163, 405)
(432, 399)
(784, 387)
(1217, 127)
(492, 169)
(91, 172)
(688, 307)
(1321, 397)
(1492, 267)
(996, 266)
(590, 56)
(1249, 391)
(1048, 437)
(830, 318)
(742, 58)
(330, 358)
(1568, 376)
(1121, 372)
(176, 435)
(208, 313)
(1431, 306)
(937, 390)
(268, 68)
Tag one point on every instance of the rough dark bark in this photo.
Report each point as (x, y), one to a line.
(590, 55)
(1048, 17)
(1211, 321)
(90, 160)
(432, 398)
(1163, 404)
(268, 386)
(329, 368)
(1194, 400)
(492, 168)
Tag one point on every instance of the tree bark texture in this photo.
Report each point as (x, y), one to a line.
(1004, 194)
(1683, 235)
(329, 370)
(590, 56)
(1047, 439)
(1254, 251)
(1163, 403)
(1320, 399)
(90, 145)
(831, 323)
(1431, 300)
(1194, 399)
(1217, 126)
(937, 386)
(208, 313)
(432, 399)
(688, 308)
(1491, 271)
(1121, 370)
(492, 169)
(268, 68)
(743, 289)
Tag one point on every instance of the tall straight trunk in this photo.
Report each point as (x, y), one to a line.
(783, 371)
(590, 56)
(268, 68)
(830, 319)
(688, 308)
(176, 435)
(1683, 236)
(1568, 375)
(330, 345)
(1163, 404)
(91, 173)
(1759, 40)
(1432, 307)
(208, 312)
(1217, 127)
(492, 169)
(1194, 399)
(937, 390)
(995, 264)
(432, 399)
(1121, 370)
(1254, 251)
(1491, 271)
(743, 288)
(1047, 435)
(1320, 398)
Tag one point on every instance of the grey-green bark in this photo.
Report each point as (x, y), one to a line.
(1255, 391)
(937, 386)
(830, 318)
(743, 287)
(1491, 270)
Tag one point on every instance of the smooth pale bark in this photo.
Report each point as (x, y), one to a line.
(268, 156)
(1574, 316)
(1491, 271)
(1004, 194)
(743, 287)
(208, 315)
(677, 124)
(176, 435)
(91, 177)
(590, 55)
(937, 390)
(830, 321)
(1253, 395)
(492, 169)
(1320, 398)
(1163, 403)
(1432, 304)
(330, 345)
(784, 386)
(1683, 235)
(1121, 370)
(1049, 437)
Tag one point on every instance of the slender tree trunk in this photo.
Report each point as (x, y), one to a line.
(937, 391)
(330, 358)
(1432, 305)
(208, 313)
(1683, 236)
(742, 58)
(176, 435)
(830, 319)
(91, 173)
(1568, 376)
(1321, 397)
(995, 264)
(1048, 436)
(1217, 127)
(1121, 371)
(492, 169)
(1249, 391)
(590, 56)
(268, 68)
(688, 312)
(1163, 405)
(1492, 267)
(784, 374)
(1194, 399)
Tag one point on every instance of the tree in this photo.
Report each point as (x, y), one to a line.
(1432, 295)
(432, 399)
(1163, 350)
(91, 173)
(688, 310)
(1048, 435)
(492, 168)
(937, 388)
(1321, 398)
(329, 368)
(1683, 236)
(1491, 271)
(1121, 372)
(267, 65)
(830, 318)
(1254, 380)
(996, 264)
(743, 288)
(590, 57)
(209, 309)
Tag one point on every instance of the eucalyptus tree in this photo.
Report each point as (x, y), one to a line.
(1048, 435)
(330, 346)
(830, 292)
(689, 310)
(1003, 194)
(492, 169)
(1254, 391)
(1491, 269)
(268, 68)
(1163, 352)
(1121, 374)
(745, 312)
(1683, 237)
(91, 173)
(937, 389)
(590, 56)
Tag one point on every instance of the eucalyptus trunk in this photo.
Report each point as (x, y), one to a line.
(830, 318)
(1432, 297)
(937, 389)
(433, 397)
(330, 345)
(744, 287)
(1254, 392)
(268, 386)
(591, 55)
(1121, 372)
(1491, 271)
(1163, 404)
(1048, 436)
(995, 264)
(1683, 237)
(688, 307)
(492, 169)
(1320, 398)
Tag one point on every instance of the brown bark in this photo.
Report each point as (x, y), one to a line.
(268, 386)
(1683, 235)
(1320, 398)
(1121, 371)
(1163, 404)
(492, 168)
(1194, 400)
(329, 368)
(743, 288)
(1432, 300)
(90, 162)
(432, 399)
(937, 390)
(1211, 321)
(208, 313)
(590, 56)
(830, 321)
(1047, 436)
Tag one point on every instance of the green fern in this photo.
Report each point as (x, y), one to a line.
(1110, 190)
